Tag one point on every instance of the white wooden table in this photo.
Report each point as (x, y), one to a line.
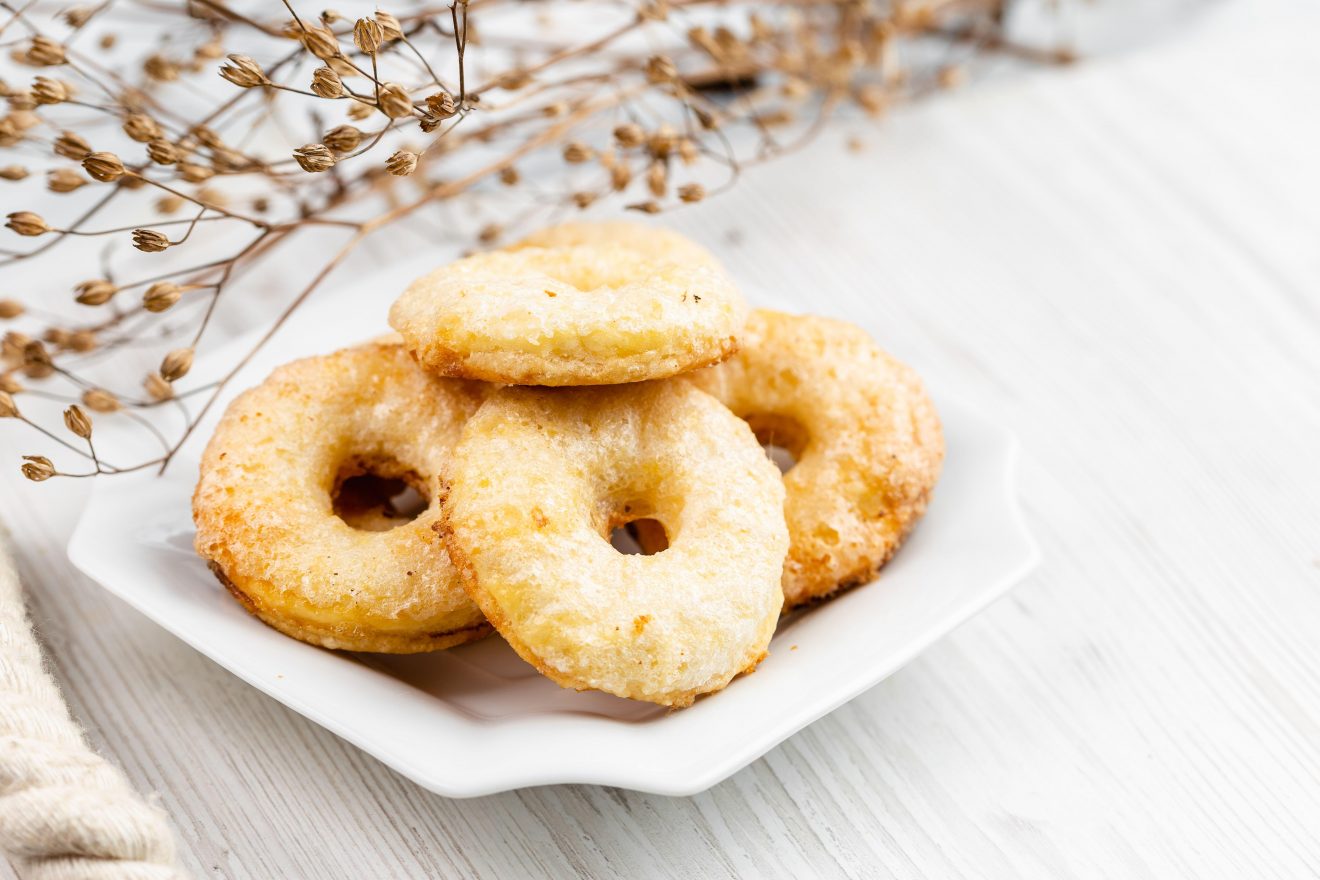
(1123, 262)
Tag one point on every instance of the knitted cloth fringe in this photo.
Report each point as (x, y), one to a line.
(65, 812)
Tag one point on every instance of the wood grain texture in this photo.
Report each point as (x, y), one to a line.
(1122, 262)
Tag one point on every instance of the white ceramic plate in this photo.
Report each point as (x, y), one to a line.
(476, 719)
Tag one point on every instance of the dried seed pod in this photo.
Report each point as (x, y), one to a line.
(36, 356)
(358, 111)
(22, 120)
(691, 192)
(9, 384)
(402, 163)
(162, 152)
(662, 142)
(243, 72)
(141, 128)
(620, 177)
(78, 16)
(81, 340)
(576, 153)
(21, 101)
(368, 35)
(64, 180)
(660, 69)
(157, 388)
(50, 91)
(72, 146)
(327, 84)
(99, 400)
(657, 179)
(212, 196)
(194, 173)
(149, 241)
(584, 199)
(161, 69)
(629, 135)
(389, 25)
(331, 16)
(225, 159)
(706, 119)
(490, 233)
(441, 105)
(13, 172)
(210, 50)
(169, 204)
(77, 422)
(10, 308)
(701, 38)
(176, 364)
(651, 207)
(206, 136)
(102, 166)
(161, 296)
(509, 176)
(515, 80)
(394, 101)
(343, 138)
(321, 42)
(95, 292)
(8, 409)
(38, 468)
(314, 158)
(45, 52)
(12, 345)
(27, 223)
(37, 371)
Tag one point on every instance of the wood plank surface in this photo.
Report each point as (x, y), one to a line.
(1122, 261)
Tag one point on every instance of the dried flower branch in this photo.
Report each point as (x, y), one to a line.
(567, 116)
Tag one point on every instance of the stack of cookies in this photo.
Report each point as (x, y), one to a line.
(589, 378)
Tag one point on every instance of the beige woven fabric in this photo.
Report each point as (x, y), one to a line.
(65, 812)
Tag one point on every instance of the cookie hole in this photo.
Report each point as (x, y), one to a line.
(641, 537)
(782, 458)
(782, 438)
(370, 501)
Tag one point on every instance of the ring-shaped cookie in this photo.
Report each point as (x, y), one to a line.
(591, 313)
(542, 477)
(864, 433)
(265, 503)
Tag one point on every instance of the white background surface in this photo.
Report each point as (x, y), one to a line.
(1123, 261)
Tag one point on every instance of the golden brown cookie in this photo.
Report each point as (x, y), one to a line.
(865, 436)
(542, 477)
(599, 309)
(265, 505)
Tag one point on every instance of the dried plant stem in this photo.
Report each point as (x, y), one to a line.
(737, 83)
